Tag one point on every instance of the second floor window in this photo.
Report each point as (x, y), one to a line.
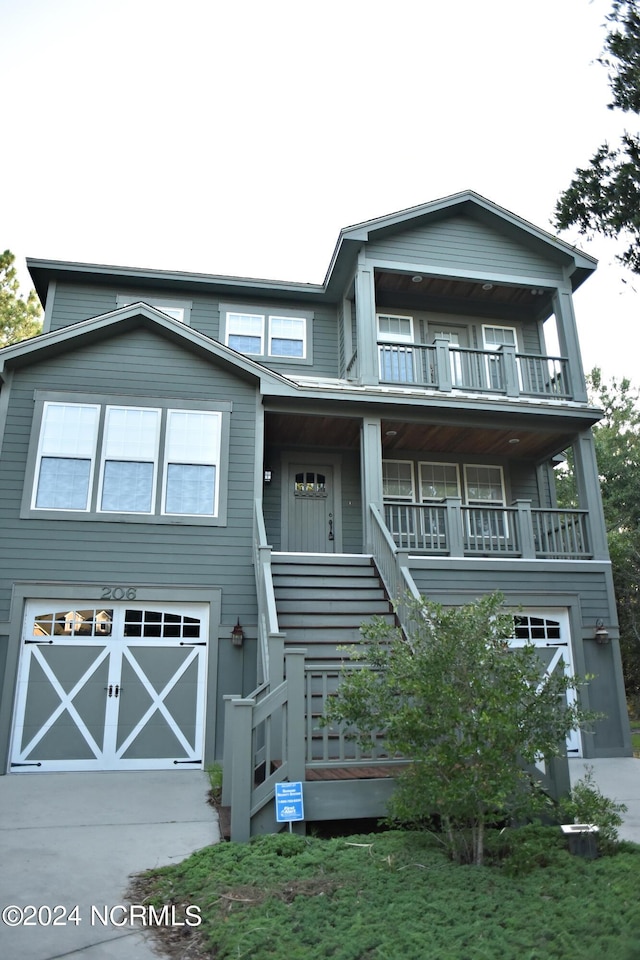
(277, 336)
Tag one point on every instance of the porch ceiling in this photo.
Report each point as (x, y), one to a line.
(465, 296)
(398, 436)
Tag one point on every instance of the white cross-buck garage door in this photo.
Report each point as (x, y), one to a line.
(549, 631)
(116, 687)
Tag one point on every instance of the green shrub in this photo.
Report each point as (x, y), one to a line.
(586, 804)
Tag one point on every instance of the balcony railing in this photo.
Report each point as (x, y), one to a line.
(452, 529)
(448, 367)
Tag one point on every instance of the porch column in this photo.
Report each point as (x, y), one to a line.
(455, 531)
(568, 338)
(370, 474)
(525, 529)
(588, 487)
(366, 328)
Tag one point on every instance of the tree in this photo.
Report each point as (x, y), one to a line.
(604, 197)
(468, 711)
(19, 318)
(617, 444)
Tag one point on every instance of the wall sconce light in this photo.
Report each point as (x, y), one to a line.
(237, 635)
(602, 634)
(267, 476)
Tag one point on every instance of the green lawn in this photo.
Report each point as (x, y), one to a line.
(395, 896)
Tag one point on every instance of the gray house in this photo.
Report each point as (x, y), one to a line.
(207, 483)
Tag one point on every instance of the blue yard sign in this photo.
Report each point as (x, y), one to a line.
(289, 802)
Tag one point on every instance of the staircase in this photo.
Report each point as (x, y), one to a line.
(323, 599)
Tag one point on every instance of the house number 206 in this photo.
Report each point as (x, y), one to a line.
(118, 593)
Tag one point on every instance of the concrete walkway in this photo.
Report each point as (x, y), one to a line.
(618, 779)
(75, 838)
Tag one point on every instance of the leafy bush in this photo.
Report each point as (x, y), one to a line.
(586, 804)
(468, 711)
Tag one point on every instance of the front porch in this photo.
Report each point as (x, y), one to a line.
(277, 733)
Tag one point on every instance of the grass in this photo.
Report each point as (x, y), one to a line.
(395, 896)
(635, 742)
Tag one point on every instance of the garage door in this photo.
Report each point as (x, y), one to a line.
(548, 630)
(110, 688)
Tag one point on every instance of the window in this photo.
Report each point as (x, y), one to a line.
(396, 360)
(154, 461)
(284, 335)
(485, 491)
(484, 485)
(178, 309)
(245, 333)
(438, 481)
(397, 479)
(494, 337)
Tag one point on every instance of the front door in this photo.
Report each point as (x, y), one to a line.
(110, 688)
(311, 520)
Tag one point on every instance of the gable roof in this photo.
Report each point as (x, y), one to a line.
(126, 318)
(470, 204)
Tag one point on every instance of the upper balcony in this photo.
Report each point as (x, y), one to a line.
(451, 335)
(444, 366)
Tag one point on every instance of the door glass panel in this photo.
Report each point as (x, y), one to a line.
(157, 624)
(73, 623)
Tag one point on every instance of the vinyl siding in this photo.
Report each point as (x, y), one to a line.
(462, 243)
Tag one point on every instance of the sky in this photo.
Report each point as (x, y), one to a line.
(239, 137)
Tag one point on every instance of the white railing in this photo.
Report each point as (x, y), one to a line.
(270, 638)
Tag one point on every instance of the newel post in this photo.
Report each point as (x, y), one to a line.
(242, 763)
(525, 529)
(296, 725)
(443, 365)
(510, 368)
(454, 524)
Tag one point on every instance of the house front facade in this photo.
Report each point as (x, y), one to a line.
(203, 476)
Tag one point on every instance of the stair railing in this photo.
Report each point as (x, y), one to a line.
(270, 637)
(393, 566)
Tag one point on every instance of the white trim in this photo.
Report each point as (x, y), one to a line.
(395, 337)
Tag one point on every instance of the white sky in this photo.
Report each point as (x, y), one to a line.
(239, 137)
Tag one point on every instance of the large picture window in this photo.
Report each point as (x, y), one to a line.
(146, 462)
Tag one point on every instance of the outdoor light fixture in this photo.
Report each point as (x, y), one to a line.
(237, 635)
(416, 279)
(487, 286)
(602, 634)
(267, 476)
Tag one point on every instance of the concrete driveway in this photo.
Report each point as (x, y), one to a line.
(70, 839)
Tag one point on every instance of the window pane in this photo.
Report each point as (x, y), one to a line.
(127, 486)
(131, 433)
(193, 437)
(191, 489)
(69, 429)
(63, 484)
(287, 348)
(245, 332)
